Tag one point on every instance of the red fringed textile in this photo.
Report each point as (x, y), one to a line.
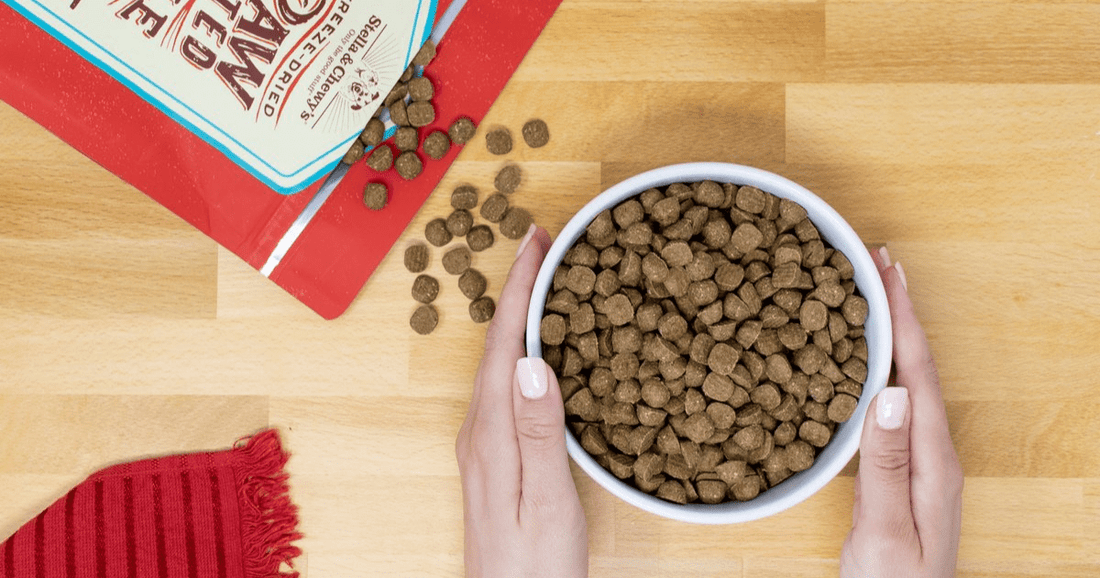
(210, 515)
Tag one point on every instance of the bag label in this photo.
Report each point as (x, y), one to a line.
(281, 87)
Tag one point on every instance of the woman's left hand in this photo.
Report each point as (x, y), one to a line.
(522, 513)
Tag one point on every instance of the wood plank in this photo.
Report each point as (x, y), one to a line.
(661, 122)
(700, 41)
(105, 429)
(1033, 439)
(936, 124)
(962, 42)
(175, 277)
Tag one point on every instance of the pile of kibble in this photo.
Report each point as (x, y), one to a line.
(409, 106)
(512, 222)
(707, 341)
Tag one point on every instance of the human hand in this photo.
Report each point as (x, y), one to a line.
(522, 513)
(908, 505)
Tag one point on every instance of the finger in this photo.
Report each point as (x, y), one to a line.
(540, 429)
(505, 337)
(937, 476)
(885, 508)
(917, 371)
(488, 439)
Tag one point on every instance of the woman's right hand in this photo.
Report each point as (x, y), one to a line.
(908, 505)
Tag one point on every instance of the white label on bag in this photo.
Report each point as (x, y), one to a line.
(281, 87)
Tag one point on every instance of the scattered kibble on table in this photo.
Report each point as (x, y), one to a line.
(494, 208)
(535, 133)
(515, 224)
(464, 197)
(472, 284)
(417, 258)
(508, 179)
(499, 141)
(457, 260)
(479, 238)
(424, 319)
(482, 309)
(512, 222)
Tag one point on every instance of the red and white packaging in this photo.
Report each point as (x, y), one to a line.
(233, 113)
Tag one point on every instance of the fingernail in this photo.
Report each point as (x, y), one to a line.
(884, 256)
(901, 273)
(890, 410)
(526, 239)
(531, 374)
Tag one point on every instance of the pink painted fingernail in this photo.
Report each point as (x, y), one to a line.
(901, 273)
(531, 374)
(884, 256)
(526, 239)
(890, 409)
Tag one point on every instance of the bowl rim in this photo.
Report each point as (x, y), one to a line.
(840, 450)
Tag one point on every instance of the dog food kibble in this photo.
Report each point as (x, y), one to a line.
(554, 329)
(421, 89)
(408, 165)
(472, 284)
(437, 234)
(406, 139)
(425, 289)
(399, 92)
(459, 222)
(515, 223)
(424, 319)
(373, 134)
(420, 113)
(482, 309)
(479, 238)
(399, 113)
(708, 340)
(354, 153)
(417, 258)
(375, 196)
(494, 208)
(381, 159)
(507, 180)
(461, 131)
(464, 197)
(499, 141)
(425, 55)
(437, 144)
(535, 133)
(456, 261)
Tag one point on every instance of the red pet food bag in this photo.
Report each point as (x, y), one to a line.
(234, 114)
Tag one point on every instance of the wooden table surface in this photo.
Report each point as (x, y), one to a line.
(964, 135)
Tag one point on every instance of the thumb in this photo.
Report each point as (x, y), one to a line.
(540, 430)
(884, 477)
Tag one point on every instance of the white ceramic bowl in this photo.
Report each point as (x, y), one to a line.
(840, 235)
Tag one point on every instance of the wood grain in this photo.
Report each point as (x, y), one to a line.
(964, 135)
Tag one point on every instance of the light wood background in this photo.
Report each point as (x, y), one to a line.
(964, 135)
